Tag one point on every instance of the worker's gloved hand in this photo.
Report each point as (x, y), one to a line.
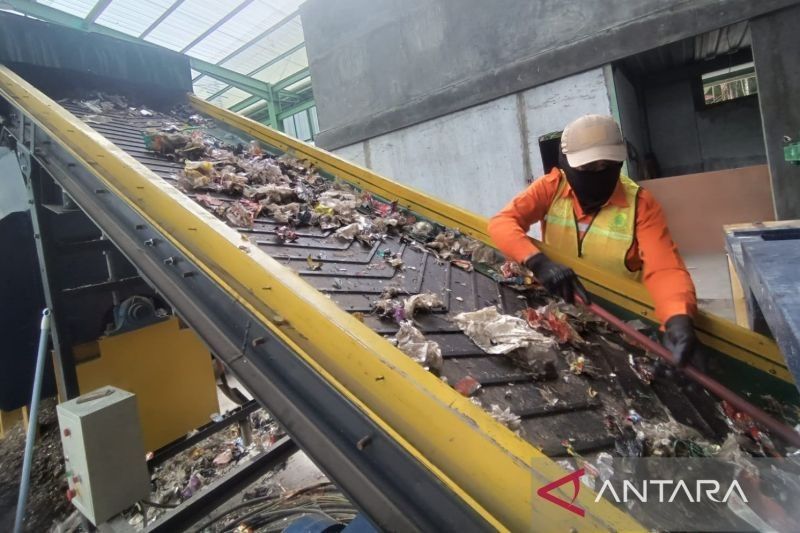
(679, 338)
(558, 279)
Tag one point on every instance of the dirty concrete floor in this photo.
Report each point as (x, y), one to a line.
(47, 502)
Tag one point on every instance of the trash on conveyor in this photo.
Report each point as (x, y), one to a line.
(98, 119)
(467, 386)
(505, 417)
(643, 367)
(577, 364)
(349, 232)
(500, 334)
(413, 343)
(395, 261)
(448, 245)
(313, 264)
(285, 234)
(426, 302)
(484, 255)
(551, 318)
(422, 230)
(548, 395)
(400, 311)
(242, 213)
(240, 182)
(463, 264)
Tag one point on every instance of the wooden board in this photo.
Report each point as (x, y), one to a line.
(698, 206)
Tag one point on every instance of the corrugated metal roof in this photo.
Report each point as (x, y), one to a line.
(260, 39)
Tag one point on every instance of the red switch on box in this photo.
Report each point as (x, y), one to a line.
(67, 432)
(70, 494)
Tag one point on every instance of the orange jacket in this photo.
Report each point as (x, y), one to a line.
(665, 274)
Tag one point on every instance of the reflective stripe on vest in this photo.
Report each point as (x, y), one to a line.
(607, 238)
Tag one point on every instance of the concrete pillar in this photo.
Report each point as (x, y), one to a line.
(776, 40)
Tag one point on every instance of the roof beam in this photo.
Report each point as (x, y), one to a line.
(235, 79)
(240, 81)
(291, 80)
(50, 14)
(216, 26)
(277, 87)
(308, 104)
(244, 104)
(266, 65)
(56, 16)
(175, 5)
(257, 38)
(97, 10)
(260, 36)
(277, 58)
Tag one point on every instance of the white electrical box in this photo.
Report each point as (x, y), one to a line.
(104, 453)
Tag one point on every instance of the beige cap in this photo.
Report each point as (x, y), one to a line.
(593, 138)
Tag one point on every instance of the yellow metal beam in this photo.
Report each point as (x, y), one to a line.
(739, 343)
(481, 461)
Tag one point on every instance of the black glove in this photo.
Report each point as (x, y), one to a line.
(558, 279)
(679, 338)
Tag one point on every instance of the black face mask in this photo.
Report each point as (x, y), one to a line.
(593, 189)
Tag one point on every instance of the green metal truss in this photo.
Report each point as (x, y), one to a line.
(278, 100)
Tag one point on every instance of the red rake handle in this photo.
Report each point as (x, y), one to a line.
(713, 386)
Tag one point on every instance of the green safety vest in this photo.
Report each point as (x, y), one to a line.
(608, 236)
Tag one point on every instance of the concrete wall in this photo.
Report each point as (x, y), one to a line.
(730, 135)
(381, 65)
(776, 39)
(673, 132)
(552, 106)
(631, 118)
(479, 158)
(687, 140)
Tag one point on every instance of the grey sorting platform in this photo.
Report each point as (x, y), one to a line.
(770, 269)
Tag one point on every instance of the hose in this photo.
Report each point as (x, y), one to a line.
(24, 484)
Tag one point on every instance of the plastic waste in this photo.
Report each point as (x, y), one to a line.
(426, 301)
(467, 386)
(413, 343)
(499, 334)
(506, 417)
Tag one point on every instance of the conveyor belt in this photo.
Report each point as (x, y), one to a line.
(406, 447)
(355, 275)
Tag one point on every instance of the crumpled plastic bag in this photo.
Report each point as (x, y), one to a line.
(499, 334)
(282, 214)
(270, 193)
(506, 417)
(413, 343)
(485, 255)
(426, 301)
(164, 143)
(349, 232)
(449, 245)
(335, 202)
(262, 170)
(242, 213)
(386, 307)
(553, 319)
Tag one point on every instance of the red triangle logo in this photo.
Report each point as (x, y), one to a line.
(575, 477)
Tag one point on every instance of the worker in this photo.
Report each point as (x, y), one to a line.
(591, 212)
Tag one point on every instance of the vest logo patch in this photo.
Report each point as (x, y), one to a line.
(620, 222)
